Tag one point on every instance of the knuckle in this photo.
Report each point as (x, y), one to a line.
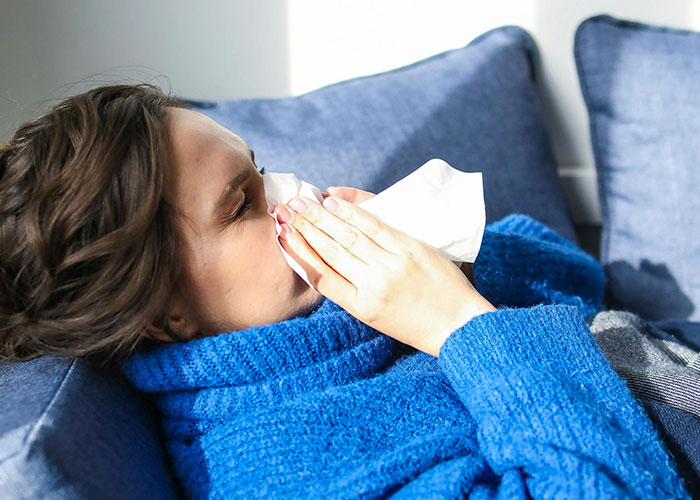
(293, 243)
(302, 225)
(382, 288)
(331, 255)
(314, 214)
(374, 229)
(410, 257)
(351, 238)
(413, 253)
(346, 211)
(397, 266)
(370, 312)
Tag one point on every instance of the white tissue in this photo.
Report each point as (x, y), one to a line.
(280, 188)
(436, 204)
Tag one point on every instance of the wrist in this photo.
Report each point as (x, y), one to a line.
(472, 309)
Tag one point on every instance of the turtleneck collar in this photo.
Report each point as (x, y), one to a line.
(326, 336)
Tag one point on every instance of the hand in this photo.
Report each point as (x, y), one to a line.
(386, 279)
(357, 196)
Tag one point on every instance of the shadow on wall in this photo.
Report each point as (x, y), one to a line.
(650, 291)
(214, 50)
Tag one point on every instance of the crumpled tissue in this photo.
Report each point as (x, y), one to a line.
(437, 204)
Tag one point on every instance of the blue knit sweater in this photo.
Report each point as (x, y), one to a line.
(520, 402)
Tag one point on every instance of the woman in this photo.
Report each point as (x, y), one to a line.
(126, 217)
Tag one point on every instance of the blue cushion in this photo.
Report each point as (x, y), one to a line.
(641, 85)
(70, 431)
(475, 107)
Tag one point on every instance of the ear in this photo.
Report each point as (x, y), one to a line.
(180, 322)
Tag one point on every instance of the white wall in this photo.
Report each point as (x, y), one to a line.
(217, 49)
(208, 49)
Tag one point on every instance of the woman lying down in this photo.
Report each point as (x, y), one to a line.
(134, 229)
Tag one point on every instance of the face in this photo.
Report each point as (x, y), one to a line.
(234, 274)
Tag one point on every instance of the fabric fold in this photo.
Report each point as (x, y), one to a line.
(252, 356)
(322, 406)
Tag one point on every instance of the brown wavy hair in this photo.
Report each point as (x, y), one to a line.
(88, 253)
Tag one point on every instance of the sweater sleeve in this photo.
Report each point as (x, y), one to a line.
(553, 419)
(523, 263)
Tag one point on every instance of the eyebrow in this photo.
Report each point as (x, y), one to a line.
(233, 185)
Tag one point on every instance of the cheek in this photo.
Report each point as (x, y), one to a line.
(249, 267)
(248, 281)
(264, 253)
(242, 261)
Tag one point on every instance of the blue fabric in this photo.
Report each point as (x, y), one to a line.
(521, 403)
(640, 84)
(680, 432)
(678, 330)
(475, 107)
(70, 431)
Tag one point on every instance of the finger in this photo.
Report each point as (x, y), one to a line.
(348, 236)
(349, 194)
(385, 236)
(323, 278)
(333, 253)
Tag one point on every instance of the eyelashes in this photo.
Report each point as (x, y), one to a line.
(233, 217)
(245, 206)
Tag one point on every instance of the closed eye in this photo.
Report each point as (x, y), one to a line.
(233, 217)
(241, 210)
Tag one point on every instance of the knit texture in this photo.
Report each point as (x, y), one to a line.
(521, 403)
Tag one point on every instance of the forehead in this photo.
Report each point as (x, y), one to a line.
(202, 157)
(193, 134)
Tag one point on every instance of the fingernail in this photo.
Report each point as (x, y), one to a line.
(299, 205)
(331, 204)
(286, 231)
(283, 214)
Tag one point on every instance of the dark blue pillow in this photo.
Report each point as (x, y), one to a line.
(641, 85)
(71, 431)
(475, 107)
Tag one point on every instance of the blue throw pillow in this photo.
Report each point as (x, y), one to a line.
(475, 107)
(69, 430)
(641, 85)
